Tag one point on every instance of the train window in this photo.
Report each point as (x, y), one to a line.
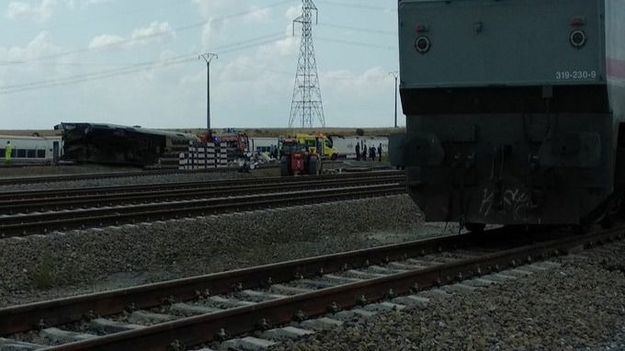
(2, 153)
(31, 153)
(41, 153)
(20, 153)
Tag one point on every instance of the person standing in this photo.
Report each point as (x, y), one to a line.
(8, 153)
(319, 147)
(380, 152)
(372, 153)
(358, 151)
(364, 152)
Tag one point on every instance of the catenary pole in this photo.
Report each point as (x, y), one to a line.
(396, 76)
(208, 58)
(396, 89)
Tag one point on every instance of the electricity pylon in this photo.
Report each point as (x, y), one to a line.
(307, 105)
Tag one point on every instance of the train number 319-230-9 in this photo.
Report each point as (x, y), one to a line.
(576, 75)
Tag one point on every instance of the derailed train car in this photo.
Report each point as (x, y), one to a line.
(515, 109)
(119, 145)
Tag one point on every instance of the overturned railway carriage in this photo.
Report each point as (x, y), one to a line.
(120, 145)
(515, 109)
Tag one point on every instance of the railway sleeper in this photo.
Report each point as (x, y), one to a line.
(149, 318)
(14, 345)
(186, 309)
(248, 343)
(60, 336)
(286, 333)
(106, 326)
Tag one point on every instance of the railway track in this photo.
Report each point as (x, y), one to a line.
(13, 202)
(25, 202)
(181, 314)
(82, 211)
(90, 176)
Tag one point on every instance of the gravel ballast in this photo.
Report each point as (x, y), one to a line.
(578, 306)
(40, 267)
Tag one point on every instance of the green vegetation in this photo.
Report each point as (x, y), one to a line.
(44, 275)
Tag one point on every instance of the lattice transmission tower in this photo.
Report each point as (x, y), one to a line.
(307, 106)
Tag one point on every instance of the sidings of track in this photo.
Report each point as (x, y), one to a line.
(25, 201)
(41, 213)
(91, 176)
(455, 258)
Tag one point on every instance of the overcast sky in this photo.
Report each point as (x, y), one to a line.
(135, 62)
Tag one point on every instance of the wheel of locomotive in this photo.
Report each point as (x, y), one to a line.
(475, 227)
(607, 222)
(605, 215)
(582, 229)
(613, 212)
(284, 167)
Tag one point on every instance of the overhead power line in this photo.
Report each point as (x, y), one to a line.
(142, 38)
(359, 29)
(354, 5)
(135, 68)
(152, 65)
(139, 66)
(356, 43)
(91, 77)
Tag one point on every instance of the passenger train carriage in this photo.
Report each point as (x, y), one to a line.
(515, 109)
(31, 150)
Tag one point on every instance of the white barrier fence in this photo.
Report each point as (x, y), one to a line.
(204, 156)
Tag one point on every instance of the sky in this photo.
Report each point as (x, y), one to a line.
(136, 62)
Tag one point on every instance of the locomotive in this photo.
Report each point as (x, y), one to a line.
(515, 110)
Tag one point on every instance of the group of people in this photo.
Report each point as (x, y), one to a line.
(368, 153)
